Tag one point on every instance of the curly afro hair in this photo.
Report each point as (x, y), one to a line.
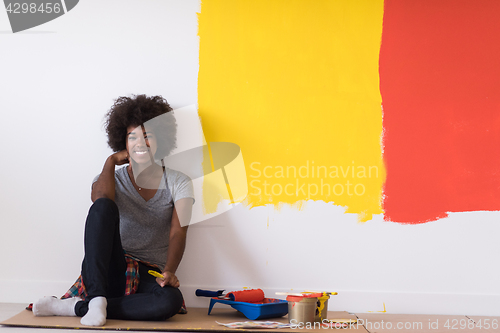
(136, 111)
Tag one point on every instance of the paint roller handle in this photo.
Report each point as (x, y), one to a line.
(208, 293)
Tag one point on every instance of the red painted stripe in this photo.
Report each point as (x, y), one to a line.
(440, 86)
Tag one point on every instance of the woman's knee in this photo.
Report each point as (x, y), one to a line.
(104, 206)
(103, 209)
(102, 220)
(169, 301)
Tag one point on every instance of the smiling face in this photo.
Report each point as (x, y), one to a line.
(141, 144)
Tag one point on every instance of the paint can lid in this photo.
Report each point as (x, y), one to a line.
(307, 298)
(312, 294)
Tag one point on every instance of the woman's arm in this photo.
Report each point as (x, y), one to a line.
(104, 187)
(177, 242)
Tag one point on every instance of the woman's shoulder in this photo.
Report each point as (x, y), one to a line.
(120, 173)
(180, 184)
(176, 176)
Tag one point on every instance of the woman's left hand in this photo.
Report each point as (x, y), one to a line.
(169, 280)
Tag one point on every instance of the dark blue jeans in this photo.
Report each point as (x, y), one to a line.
(103, 272)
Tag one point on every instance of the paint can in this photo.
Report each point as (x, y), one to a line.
(322, 308)
(301, 309)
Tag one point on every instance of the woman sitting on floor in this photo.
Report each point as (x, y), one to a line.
(138, 222)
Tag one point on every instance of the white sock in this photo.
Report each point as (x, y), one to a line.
(96, 316)
(51, 306)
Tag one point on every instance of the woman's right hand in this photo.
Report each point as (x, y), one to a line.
(169, 280)
(120, 157)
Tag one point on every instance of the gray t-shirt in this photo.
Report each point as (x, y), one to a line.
(145, 225)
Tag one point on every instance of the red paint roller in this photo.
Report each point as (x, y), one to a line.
(249, 296)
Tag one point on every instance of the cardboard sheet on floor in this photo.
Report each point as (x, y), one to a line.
(196, 319)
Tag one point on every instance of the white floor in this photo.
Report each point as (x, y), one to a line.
(8, 310)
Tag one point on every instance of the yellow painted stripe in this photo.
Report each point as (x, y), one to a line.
(295, 84)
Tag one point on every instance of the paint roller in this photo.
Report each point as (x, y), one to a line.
(248, 296)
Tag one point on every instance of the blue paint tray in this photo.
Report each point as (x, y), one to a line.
(268, 308)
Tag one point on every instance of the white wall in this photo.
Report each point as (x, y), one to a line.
(58, 80)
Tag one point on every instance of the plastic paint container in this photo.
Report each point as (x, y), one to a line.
(301, 309)
(322, 308)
